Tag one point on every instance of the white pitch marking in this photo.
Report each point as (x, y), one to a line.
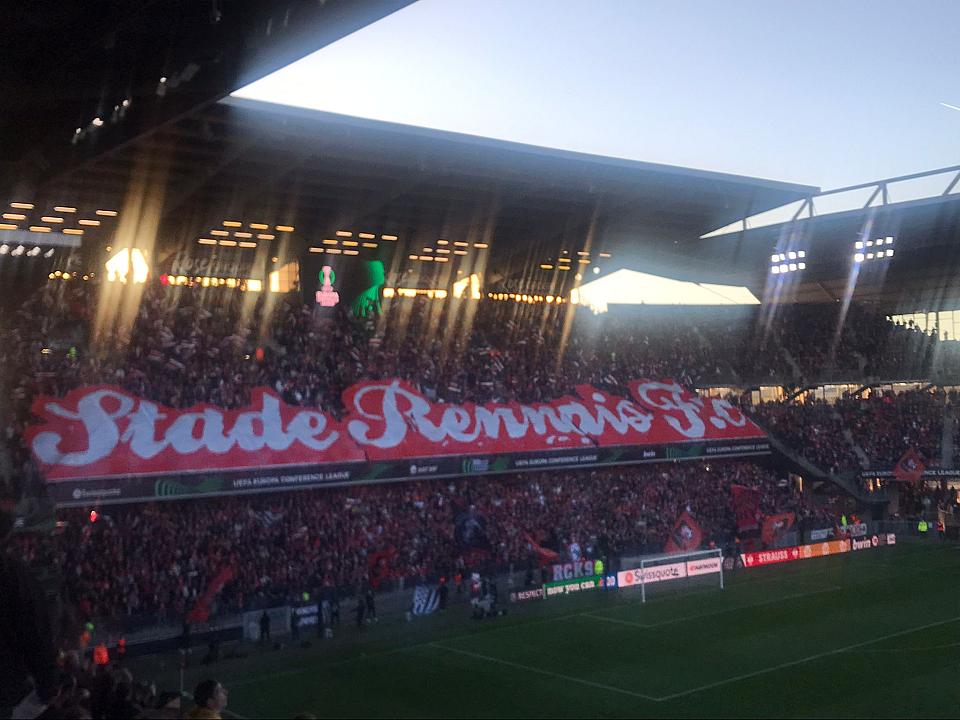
(684, 618)
(801, 661)
(541, 671)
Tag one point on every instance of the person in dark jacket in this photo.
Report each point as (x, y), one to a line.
(27, 648)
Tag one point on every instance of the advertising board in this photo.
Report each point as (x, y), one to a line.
(815, 550)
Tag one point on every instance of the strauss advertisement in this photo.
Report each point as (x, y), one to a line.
(103, 431)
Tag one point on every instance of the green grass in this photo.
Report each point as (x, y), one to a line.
(868, 634)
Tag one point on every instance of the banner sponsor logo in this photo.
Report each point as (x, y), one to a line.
(770, 557)
(524, 595)
(565, 587)
(103, 431)
(823, 549)
(706, 566)
(891, 539)
(651, 574)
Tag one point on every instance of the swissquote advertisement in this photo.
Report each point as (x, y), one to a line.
(103, 444)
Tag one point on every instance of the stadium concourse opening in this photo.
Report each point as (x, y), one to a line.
(310, 415)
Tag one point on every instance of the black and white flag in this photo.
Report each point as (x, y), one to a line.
(425, 600)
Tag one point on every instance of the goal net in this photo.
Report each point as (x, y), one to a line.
(677, 572)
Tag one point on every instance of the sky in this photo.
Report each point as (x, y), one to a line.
(826, 92)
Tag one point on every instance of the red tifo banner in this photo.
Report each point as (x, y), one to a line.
(746, 504)
(910, 467)
(201, 611)
(103, 431)
(776, 526)
(686, 535)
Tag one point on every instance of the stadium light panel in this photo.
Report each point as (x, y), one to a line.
(858, 257)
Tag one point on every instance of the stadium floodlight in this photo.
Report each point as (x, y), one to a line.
(881, 252)
(786, 262)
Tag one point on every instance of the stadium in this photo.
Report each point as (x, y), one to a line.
(312, 415)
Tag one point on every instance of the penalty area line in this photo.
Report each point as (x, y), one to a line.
(801, 661)
(546, 673)
(712, 613)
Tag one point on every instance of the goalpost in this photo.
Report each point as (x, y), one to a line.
(675, 571)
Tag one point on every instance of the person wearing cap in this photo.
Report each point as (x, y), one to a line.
(210, 698)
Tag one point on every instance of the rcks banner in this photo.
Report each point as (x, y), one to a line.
(101, 432)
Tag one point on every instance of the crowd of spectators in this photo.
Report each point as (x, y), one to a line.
(871, 432)
(180, 346)
(154, 560)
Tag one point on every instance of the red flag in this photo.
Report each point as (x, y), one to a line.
(774, 527)
(545, 556)
(201, 611)
(746, 503)
(910, 467)
(379, 564)
(685, 536)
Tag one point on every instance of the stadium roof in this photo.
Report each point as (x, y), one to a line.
(920, 213)
(321, 172)
(71, 63)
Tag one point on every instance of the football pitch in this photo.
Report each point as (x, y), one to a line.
(864, 634)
